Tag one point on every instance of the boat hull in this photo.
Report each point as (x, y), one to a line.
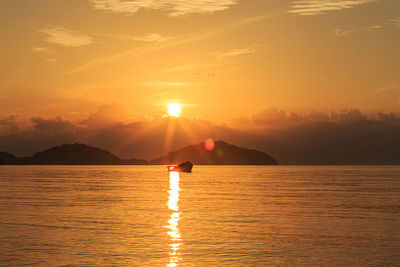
(184, 167)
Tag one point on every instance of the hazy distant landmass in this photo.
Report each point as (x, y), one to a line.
(81, 154)
(69, 154)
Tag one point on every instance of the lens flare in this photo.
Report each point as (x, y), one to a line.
(209, 144)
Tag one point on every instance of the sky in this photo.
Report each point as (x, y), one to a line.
(307, 81)
(221, 59)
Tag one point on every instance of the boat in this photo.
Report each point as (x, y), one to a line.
(183, 167)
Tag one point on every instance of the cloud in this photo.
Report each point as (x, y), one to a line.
(151, 37)
(5, 97)
(182, 40)
(341, 32)
(43, 134)
(173, 7)
(347, 136)
(348, 115)
(374, 27)
(236, 52)
(316, 7)
(56, 125)
(106, 115)
(165, 84)
(64, 37)
(275, 118)
(8, 125)
(40, 49)
(270, 116)
(396, 22)
(387, 87)
(181, 68)
(51, 60)
(200, 6)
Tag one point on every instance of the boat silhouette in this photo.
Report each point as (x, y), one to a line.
(183, 167)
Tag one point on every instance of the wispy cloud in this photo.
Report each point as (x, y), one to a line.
(181, 40)
(164, 84)
(316, 7)
(64, 37)
(173, 7)
(151, 37)
(396, 22)
(341, 32)
(374, 27)
(387, 87)
(15, 72)
(182, 68)
(40, 49)
(236, 52)
(5, 97)
(51, 60)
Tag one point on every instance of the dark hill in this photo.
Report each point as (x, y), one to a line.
(223, 154)
(7, 158)
(75, 154)
(80, 154)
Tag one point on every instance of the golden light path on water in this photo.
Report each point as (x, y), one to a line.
(175, 235)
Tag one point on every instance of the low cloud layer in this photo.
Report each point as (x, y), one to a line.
(347, 136)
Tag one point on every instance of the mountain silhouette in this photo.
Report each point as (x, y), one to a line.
(75, 154)
(7, 158)
(222, 154)
(80, 154)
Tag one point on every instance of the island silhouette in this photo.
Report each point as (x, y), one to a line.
(81, 154)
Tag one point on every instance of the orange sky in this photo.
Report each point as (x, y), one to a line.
(222, 59)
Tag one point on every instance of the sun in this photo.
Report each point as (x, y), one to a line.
(174, 109)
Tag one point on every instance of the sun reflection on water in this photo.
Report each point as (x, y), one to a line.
(175, 235)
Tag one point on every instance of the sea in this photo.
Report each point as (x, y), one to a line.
(214, 216)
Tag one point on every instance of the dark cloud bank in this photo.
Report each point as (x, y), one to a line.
(345, 137)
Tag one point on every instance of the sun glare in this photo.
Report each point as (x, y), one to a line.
(174, 109)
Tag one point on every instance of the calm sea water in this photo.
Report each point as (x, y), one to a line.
(215, 216)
